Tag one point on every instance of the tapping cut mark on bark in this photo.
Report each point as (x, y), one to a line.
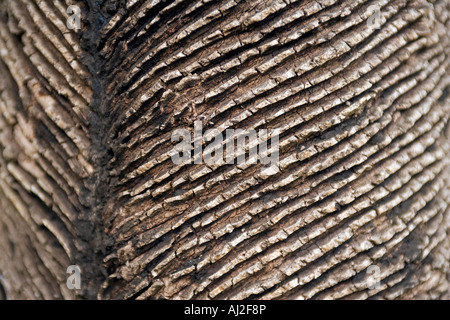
(85, 149)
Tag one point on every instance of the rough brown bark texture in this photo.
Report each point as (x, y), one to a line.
(86, 177)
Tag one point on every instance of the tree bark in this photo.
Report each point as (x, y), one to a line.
(359, 90)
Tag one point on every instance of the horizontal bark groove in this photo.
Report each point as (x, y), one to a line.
(85, 138)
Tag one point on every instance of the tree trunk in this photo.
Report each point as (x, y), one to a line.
(357, 208)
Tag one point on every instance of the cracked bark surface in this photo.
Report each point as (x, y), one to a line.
(86, 176)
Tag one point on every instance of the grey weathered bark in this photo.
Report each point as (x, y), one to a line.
(85, 139)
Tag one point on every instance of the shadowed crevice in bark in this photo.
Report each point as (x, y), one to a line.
(85, 139)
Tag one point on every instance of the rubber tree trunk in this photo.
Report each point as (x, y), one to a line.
(357, 89)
